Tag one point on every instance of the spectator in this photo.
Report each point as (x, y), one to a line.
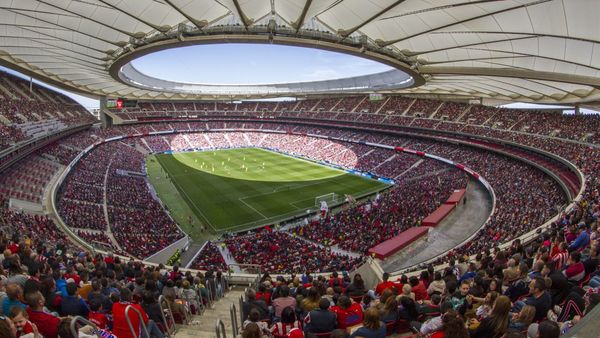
(25, 328)
(372, 327)
(496, 324)
(72, 304)
(283, 301)
(287, 323)
(120, 326)
(14, 295)
(348, 312)
(47, 323)
(320, 320)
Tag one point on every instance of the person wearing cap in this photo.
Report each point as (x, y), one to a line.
(582, 240)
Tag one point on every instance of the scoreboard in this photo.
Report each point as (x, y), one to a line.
(375, 97)
(120, 103)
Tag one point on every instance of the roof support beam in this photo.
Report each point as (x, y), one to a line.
(247, 22)
(347, 32)
(466, 45)
(199, 24)
(391, 42)
(298, 23)
(136, 18)
(74, 30)
(537, 56)
(512, 73)
(86, 18)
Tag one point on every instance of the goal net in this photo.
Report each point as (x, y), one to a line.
(328, 199)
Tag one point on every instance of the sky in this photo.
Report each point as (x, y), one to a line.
(247, 64)
(253, 63)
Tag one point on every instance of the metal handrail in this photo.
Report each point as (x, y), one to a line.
(220, 328)
(234, 322)
(169, 330)
(259, 274)
(242, 309)
(141, 318)
(74, 330)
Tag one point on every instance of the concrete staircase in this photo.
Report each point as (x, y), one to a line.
(203, 326)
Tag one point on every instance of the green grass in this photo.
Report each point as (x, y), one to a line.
(236, 189)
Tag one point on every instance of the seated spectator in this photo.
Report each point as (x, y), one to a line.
(263, 294)
(320, 320)
(252, 331)
(25, 328)
(485, 309)
(7, 328)
(348, 312)
(311, 302)
(287, 323)
(418, 288)
(519, 322)
(452, 326)
(545, 329)
(520, 286)
(389, 313)
(14, 295)
(539, 299)
(283, 301)
(357, 288)
(252, 303)
(575, 270)
(371, 327)
(190, 295)
(96, 315)
(73, 305)
(47, 323)
(496, 324)
(254, 318)
(385, 284)
(438, 285)
(560, 285)
(408, 309)
(120, 326)
(427, 309)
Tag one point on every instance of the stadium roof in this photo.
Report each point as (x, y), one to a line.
(513, 50)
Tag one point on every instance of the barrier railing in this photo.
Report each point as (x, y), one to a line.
(220, 329)
(78, 319)
(140, 317)
(234, 322)
(256, 281)
(169, 330)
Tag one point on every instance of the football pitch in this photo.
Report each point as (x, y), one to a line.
(237, 189)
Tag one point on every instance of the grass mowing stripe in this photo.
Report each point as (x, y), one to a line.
(247, 187)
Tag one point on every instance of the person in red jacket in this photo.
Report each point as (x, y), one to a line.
(385, 284)
(348, 312)
(120, 326)
(47, 323)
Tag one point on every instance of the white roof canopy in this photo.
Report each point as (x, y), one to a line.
(519, 50)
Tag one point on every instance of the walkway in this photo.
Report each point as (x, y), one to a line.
(458, 226)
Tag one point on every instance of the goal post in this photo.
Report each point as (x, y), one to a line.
(330, 199)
